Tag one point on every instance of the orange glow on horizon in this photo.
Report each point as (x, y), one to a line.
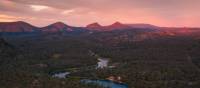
(165, 13)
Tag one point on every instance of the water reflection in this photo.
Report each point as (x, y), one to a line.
(105, 83)
(103, 63)
(61, 75)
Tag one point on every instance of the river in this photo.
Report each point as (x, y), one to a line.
(102, 63)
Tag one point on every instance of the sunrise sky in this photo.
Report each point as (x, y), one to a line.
(82, 12)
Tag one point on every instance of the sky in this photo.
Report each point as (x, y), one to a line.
(168, 13)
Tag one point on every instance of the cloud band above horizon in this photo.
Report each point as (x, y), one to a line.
(82, 12)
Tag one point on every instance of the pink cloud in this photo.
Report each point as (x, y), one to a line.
(83, 12)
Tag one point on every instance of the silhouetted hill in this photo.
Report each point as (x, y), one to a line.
(94, 26)
(117, 26)
(121, 26)
(18, 26)
(57, 27)
(143, 26)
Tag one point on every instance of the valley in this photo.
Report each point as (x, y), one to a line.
(141, 58)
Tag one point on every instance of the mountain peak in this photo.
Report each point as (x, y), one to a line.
(20, 22)
(117, 23)
(59, 24)
(94, 26)
(18, 26)
(56, 27)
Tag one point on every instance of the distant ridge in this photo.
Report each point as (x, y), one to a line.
(94, 26)
(142, 25)
(114, 26)
(18, 26)
(117, 25)
(56, 27)
(21, 26)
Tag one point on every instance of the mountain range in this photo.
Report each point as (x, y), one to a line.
(114, 26)
(21, 26)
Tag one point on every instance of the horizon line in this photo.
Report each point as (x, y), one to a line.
(102, 25)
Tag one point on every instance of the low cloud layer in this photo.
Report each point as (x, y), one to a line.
(82, 12)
